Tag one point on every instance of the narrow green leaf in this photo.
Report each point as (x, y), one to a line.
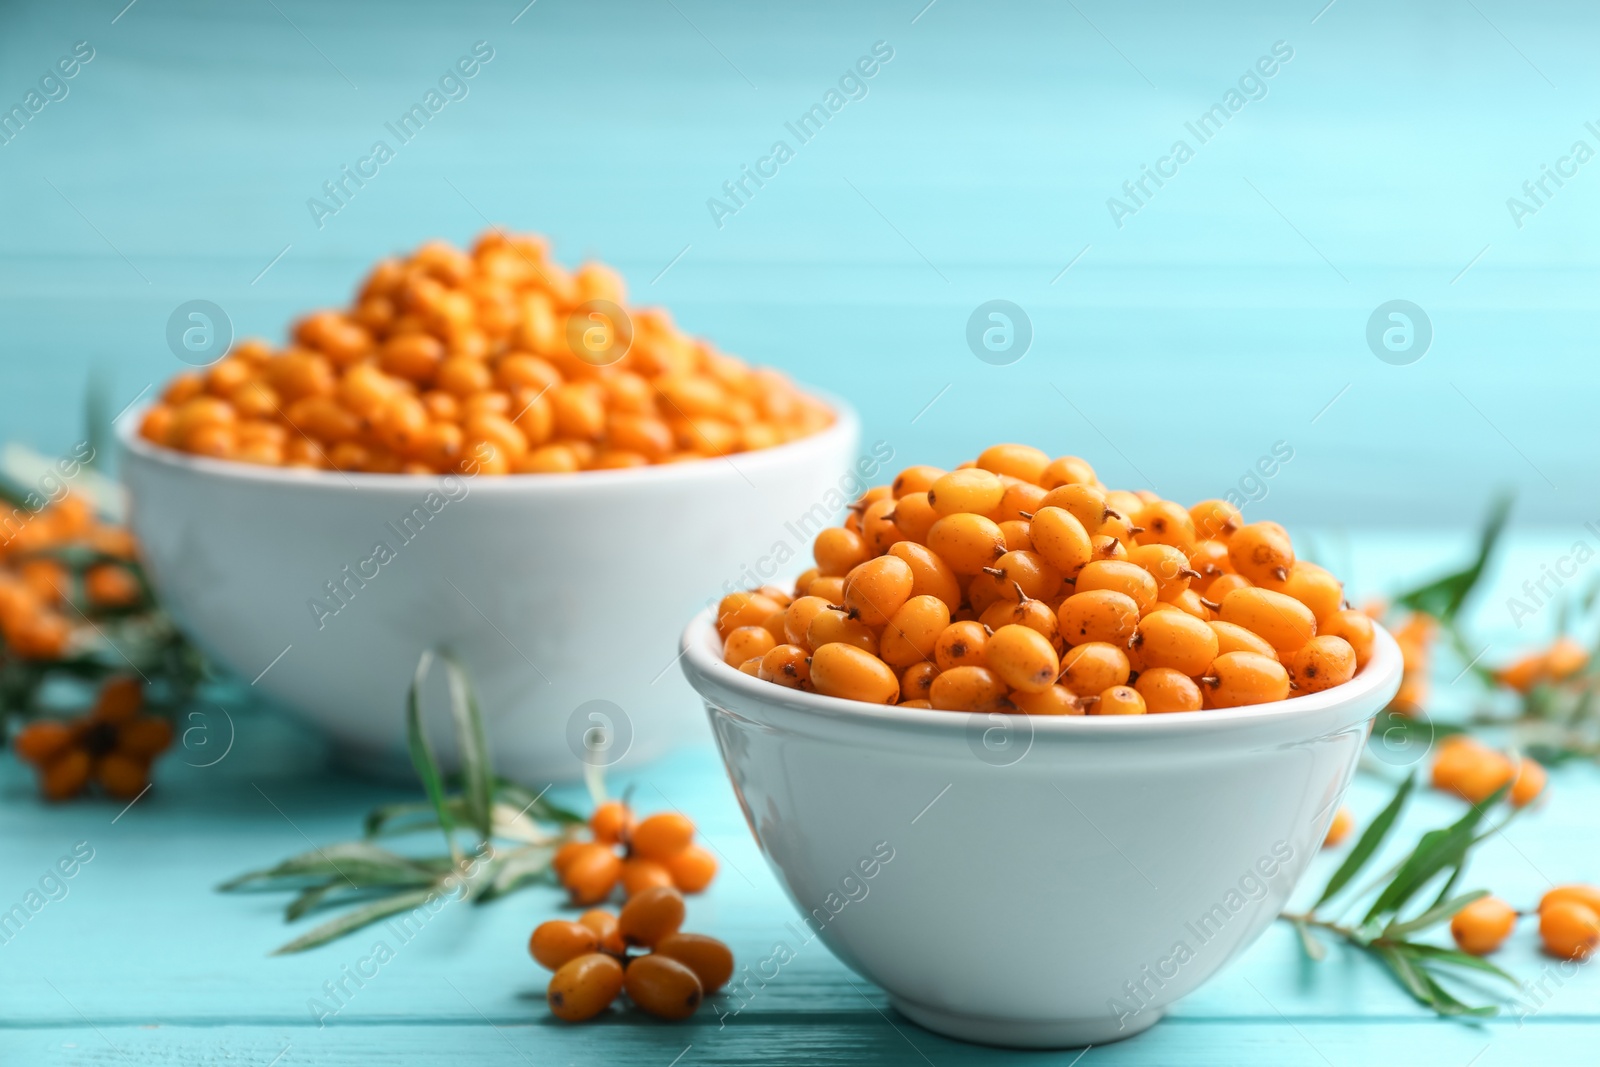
(1457, 958)
(1444, 596)
(1446, 1003)
(1399, 931)
(394, 819)
(308, 899)
(356, 863)
(354, 920)
(1409, 976)
(1437, 850)
(1369, 843)
(1313, 946)
(472, 743)
(422, 753)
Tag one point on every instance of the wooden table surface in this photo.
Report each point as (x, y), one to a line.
(142, 962)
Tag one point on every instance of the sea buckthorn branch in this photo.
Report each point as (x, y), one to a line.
(1385, 930)
(515, 834)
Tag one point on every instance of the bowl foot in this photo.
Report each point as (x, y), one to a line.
(1025, 1033)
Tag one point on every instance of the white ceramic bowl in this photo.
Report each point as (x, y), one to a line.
(562, 594)
(1034, 882)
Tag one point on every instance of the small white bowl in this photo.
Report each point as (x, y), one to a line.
(561, 593)
(1049, 882)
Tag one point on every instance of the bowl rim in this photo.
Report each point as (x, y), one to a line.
(705, 668)
(846, 426)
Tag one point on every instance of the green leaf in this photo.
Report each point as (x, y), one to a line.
(1313, 947)
(1457, 958)
(308, 899)
(1443, 597)
(354, 920)
(356, 863)
(1436, 851)
(1369, 843)
(1406, 972)
(473, 745)
(1398, 931)
(517, 869)
(422, 753)
(391, 820)
(1445, 1003)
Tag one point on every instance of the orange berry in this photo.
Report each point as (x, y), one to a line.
(1100, 615)
(108, 585)
(967, 542)
(145, 737)
(1587, 895)
(1166, 691)
(1322, 663)
(1022, 657)
(850, 673)
(1261, 551)
(1119, 700)
(604, 925)
(662, 835)
(1529, 782)
(1279, 619)
(708, 958)
(1356, 629)
(967, 689)
(663, 987)
(584, 987)
(65, 776)
(640, 874)
(747, 642)
(875, 590)
(556, 943)
(1339, 829)
(1177, 640)
(692, 869)
(1057, 700)
(40, 742)
(591, 873)
(611, 822)
(1482, 926)
(1570, 930)
(120, 699)
(1239, 678)
(650, 915)
(1090, 669)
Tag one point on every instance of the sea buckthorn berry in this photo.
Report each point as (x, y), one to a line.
(66, 775)
(1090, 669)
(1235, 638)
(788, 665)
(1587, 895)
(1086, 503)
(773, 624)
(742, 609)
(914, 516)
(1021, 499)
(121, 775)
(1023, 658)
(1281, 620)
(916, 680)
(833, 626)
(640, 874)
(691, 869)
(930, 575)
(1027, 575)
(604, 925)
(661, 835)
(747, 642)
(1067, 470)
(1339, 828)
(1322, 663)
(1570, 930)
(611, 822)
(1240, 678)
(119, 699)
(1034, 614)
(40, 742)
(985, 590)
(651, 915)
(584, 987)
(591, 873)
(1481, 777)
(1225, 584)
(1215, 520)
(878, 527)
(1529, 782)
(707, 957)
(917, 479)
(663, 987)
(1107, 546)
(556, 943)
(1210, 561)
(1119, 700)
(1315, 588)
(967, 542)
(848, 672)
(798, 615)
(1057, 700)
(1482, 926)
(875, 590)
(1018, 535)
(1106, 615)
(837, 551)
(1261, 551)
(1355, 628)
(1190, 603)
(564, 855)
(1169, 567)
(1565, 657)
(1166, 691)
(911, 635)
(1173, 639)
(1119, 576)
(1019, 461)
(967, 689)
(1166, 523)
(961, 644)
(972, 490)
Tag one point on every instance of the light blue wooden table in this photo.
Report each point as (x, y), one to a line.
(1229, 312)
(141, 962)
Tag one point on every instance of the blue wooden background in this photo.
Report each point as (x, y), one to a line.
(1227, 314)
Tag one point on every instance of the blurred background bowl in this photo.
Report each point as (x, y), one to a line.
(1027, 881)
(560, 593)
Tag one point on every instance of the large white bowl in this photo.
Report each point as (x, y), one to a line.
(563, 594)
(1049, 882)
